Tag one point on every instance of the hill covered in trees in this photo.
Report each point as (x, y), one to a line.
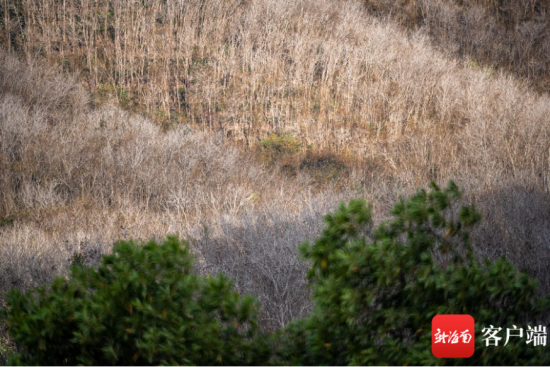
(238, 124)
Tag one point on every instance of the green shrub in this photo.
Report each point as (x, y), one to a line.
(142, 305)
(376, 291)
(279, 146)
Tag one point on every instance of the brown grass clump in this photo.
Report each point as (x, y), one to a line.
(334, 102)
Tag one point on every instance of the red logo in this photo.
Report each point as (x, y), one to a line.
(453, 336)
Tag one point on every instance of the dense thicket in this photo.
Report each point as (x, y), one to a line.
(376, 291)
(142, 305)
(239, 124)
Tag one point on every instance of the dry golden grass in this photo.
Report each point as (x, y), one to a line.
(77, 175)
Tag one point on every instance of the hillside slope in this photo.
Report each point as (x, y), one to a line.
(509, 35)
(325, 72)
(201, 85)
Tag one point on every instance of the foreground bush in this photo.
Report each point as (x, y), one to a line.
(142, 305)
(376, 291)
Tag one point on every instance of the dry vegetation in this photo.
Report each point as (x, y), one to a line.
(323, 81)
(511, 35)
(325, 72)
(74, 179)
